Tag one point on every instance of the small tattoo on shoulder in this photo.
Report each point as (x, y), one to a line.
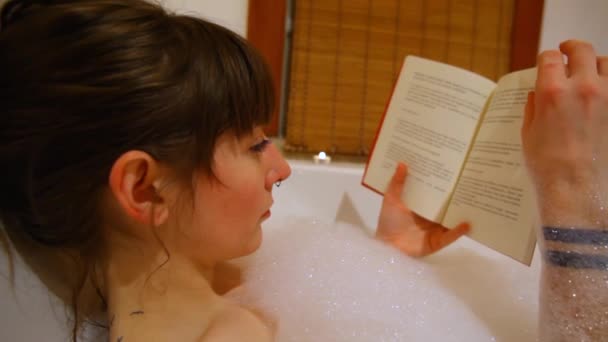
(137, 312)
(119, 339)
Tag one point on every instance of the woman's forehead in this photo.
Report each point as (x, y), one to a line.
(231, 135)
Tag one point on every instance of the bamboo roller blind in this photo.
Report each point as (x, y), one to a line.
(346, 55)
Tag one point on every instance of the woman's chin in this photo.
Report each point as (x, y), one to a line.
(255, 242)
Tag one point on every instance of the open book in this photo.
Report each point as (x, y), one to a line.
(459, 134)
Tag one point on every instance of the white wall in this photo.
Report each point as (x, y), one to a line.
(229, 13)
(581, 19)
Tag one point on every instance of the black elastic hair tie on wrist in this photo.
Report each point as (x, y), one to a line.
(577, 260)
(576, 235)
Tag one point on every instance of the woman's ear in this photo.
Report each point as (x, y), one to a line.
(135, 181)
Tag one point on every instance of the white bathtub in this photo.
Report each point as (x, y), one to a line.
(327, 192)
(29, 312)
(318, 190)
(487, 283)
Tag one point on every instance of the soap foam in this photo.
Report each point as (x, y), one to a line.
(325, 281)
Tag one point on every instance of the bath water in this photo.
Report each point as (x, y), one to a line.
(326, 281)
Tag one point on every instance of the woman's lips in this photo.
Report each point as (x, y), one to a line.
(267, 213)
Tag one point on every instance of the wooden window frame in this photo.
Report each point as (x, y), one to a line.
(266, 31)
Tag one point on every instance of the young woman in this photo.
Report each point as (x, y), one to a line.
(133, 162)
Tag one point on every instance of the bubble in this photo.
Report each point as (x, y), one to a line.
(332, 282)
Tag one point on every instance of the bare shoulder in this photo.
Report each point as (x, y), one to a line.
(236, 324)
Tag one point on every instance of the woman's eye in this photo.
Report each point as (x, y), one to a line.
(259, 147)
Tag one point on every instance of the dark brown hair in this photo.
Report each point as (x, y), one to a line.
(84, 81)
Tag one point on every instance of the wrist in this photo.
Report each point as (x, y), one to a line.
(575, 248)
(577, 260)
(570, 204)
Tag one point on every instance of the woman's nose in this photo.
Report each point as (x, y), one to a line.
(284, 170)
(279, 168)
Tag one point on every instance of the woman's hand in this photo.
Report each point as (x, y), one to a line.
(565, 134)
(410, 233)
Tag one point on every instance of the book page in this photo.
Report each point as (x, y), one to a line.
(494, 192)
(429, 124)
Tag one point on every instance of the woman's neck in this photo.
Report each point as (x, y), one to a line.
(151, 288)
